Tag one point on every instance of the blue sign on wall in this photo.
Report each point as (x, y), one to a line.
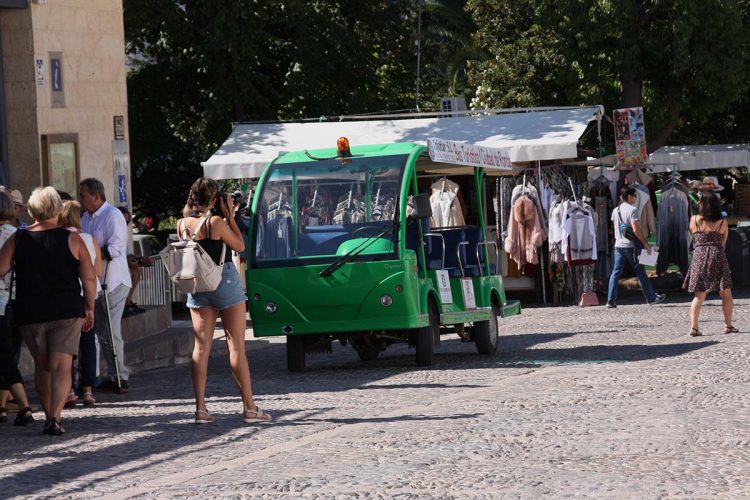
(122, 188)
(56, 74)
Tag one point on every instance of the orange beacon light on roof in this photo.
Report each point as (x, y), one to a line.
(342, 145)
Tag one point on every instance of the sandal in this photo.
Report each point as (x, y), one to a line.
(203, 417)
(72, 400)
(24, 417)
(53, 427)
(3, 414)
(731, 329)
(88, 400)
(249, 416)
(694, 332)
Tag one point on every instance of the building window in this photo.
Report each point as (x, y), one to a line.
(60, 161)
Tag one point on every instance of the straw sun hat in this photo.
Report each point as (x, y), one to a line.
(710, 183)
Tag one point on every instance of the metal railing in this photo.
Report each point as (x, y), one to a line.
(154, 287)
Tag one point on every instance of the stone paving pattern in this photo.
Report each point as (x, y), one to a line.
(584, 402)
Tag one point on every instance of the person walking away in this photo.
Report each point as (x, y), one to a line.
(10, 376)
(134, 268)
(105, 223)
(70, 218)
(217, 234)
(709, 270)
(625, 216)
(51, 263)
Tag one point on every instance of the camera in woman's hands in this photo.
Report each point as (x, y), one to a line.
(221, 199)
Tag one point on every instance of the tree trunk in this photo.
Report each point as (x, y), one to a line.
(661, 139)
(632, 91)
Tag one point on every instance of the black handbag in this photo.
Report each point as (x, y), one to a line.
(626, 229)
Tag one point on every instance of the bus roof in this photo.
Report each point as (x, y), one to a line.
(398, 148)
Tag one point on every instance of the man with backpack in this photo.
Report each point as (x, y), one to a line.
(629, 239)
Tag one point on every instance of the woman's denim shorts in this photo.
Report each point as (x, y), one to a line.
(229, 292)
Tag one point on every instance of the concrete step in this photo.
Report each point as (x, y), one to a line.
(155, 319)
(169, 347)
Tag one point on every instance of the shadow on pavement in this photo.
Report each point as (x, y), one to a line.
(608, 353)
(65, 464)
(519, 342)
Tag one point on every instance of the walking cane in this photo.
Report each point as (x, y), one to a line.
(109, 325)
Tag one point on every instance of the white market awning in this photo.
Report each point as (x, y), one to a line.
(528, 135)
(702, 157)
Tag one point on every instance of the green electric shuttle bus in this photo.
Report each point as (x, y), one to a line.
(341, 248)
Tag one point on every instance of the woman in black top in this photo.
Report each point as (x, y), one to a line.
(218, 234)
(50, 308)
(10, 342)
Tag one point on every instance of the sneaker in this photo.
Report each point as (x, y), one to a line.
(658, 298)
(611, 304)
(134, 309)
(111, 386)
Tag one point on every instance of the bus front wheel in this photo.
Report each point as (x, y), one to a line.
(486, 333)
(295, 353)
(425, 342)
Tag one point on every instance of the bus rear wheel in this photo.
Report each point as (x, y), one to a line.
(486, 332)
(295, 353)
(425, 342)
(365, 347)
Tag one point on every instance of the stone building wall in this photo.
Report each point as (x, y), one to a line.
(87, 38)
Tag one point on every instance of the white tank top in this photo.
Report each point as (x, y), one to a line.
(89, 241)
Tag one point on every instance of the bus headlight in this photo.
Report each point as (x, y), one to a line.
(386, 300)
(270, 307)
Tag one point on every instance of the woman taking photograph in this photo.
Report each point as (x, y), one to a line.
(709, 270)
(51, 263)
(217, 234)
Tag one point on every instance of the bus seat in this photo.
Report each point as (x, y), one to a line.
(472, 253)
(452, 237)
(468, 251)
(432, 249)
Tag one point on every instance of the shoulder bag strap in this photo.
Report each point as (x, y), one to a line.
(223, 244)
(192, 233)
(198, 229)
(13, 265)
(223, 253)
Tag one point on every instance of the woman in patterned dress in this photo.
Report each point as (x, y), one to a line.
(709, 269)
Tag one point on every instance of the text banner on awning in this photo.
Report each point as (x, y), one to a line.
(461, 153)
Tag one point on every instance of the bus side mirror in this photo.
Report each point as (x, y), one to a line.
(421, 208)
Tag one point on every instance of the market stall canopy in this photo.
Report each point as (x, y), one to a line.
(700, 157)
(528, 135)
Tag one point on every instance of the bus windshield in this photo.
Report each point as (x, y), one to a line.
(321, 209)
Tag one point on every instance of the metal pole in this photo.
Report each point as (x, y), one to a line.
(544, 269)
(419, 50)
(109, 325)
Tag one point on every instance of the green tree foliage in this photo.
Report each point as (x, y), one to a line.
(447, 46)
(683, 60)
(346, 57)
(198, 66)
(523, 63)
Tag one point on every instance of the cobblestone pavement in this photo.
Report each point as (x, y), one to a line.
(585, 402)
